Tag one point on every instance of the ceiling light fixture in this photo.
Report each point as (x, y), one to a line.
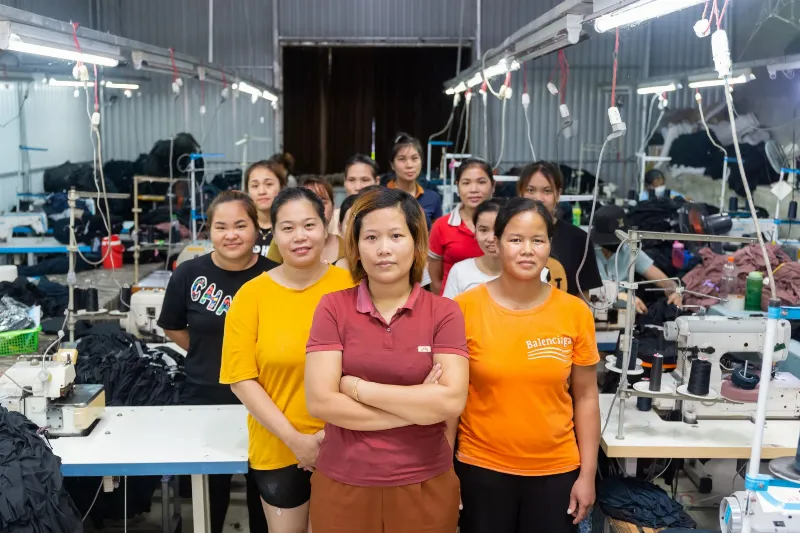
(637, 12)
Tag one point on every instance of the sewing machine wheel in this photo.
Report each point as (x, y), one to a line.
(747, 381)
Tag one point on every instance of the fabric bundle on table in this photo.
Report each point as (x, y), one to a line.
(32, 495)
(50, 296)
(705, 278)
(642, 503)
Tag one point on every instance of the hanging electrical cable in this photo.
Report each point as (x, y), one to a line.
(457, 96)
(526, 102)
(505, 95)
(484, 98)
(467, 106)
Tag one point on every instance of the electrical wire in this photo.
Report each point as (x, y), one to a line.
(96, 494)
(502, 134)
(19, 111)
(614, 78)
(486, 82)
(460, 128)
(467, 105)
(750, 203)
(705, 126)
(485, 124)
(528, 132)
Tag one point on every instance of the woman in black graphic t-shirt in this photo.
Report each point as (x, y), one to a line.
(263, 181)
(196, 302)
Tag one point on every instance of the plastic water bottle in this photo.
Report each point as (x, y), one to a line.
(677, 255)
(576, 214)
(752, 296)
(728, 282)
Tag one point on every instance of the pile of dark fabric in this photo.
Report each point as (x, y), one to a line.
(33, 498)
(158, 161)
(228, 180)
(657, 215)
(132, 375)
(641, 503)
(50, 296)
(696, 150)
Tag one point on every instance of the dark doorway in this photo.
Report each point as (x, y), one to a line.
(332, 96)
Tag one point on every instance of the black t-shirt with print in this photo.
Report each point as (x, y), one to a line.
(198, 297)
(568, 245)
(263, 241)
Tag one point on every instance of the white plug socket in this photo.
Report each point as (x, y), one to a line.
(526, 100)
(702, 28)
(95, 119)
(618, 127)
(721, 51)
(552, 88)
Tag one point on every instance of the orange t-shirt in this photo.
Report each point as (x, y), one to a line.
(518, 417)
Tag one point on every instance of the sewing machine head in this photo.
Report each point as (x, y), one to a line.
(37, 221)
(46, 393)
(732, 344)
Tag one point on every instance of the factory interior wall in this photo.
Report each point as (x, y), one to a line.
(332, 96)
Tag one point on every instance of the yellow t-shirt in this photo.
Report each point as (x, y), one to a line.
(266, 332)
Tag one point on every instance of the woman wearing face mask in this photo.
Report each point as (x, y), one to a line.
(386, 368)
(543, 181)
(263, 357)
(529, 435)
(263, 182)
(453, 237)
(360, 171)
(478, 270)
(334, 245)
(193, 316)
(407, 165)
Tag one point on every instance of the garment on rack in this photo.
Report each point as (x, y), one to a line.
(32, 496)
(641, 503)
(705, 278)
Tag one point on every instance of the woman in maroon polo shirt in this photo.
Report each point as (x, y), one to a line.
(453, 235)
(386, 368)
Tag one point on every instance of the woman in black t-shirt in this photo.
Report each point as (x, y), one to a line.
(263, 181)
(196, 302)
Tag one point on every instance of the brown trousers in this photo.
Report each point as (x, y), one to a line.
(427, 507)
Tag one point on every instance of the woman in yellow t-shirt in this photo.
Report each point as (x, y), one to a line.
(529, 434)
(263, 358)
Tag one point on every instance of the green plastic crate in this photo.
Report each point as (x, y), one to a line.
(19, 342)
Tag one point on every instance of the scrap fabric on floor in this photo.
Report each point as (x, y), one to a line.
(642, 503)
(32, 496)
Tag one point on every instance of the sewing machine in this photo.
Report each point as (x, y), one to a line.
(729, 343)
(36, 220)
(605, 312)
(46, 393)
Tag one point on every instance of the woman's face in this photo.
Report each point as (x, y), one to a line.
(345, 222)
(407, 164)
(326, 201)
(299, 234)
(386, 246)
(232, 231)
(484, 233)
(474, 187)
(263, 186)
(540, 188)
(525, 246)
(358, 176)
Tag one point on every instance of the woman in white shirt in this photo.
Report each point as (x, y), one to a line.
(478, 270)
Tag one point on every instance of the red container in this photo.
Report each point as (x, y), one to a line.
(114, 258)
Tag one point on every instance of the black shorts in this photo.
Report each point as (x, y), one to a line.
(495, 502)
(284, 488)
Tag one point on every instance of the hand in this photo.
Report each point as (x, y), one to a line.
(347, 384)
(640, 307)
(581, 498)
(675, 299)
(433, 375)
(306, 448)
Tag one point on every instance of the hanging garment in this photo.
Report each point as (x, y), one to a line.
(642, 503)
(32, 496)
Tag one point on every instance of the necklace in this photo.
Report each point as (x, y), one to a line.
(264, 232)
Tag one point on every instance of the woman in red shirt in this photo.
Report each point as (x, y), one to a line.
(453, 235)
(386, 369)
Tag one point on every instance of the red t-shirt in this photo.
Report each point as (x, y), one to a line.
(398, 353)
(452, 241)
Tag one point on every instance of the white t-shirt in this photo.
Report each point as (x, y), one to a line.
(463, 276)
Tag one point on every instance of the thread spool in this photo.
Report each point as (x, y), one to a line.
(634, 353)
(656, 372)
(632, 195)
(91, 300)
(643, 403)
(125, 298)
(733, 204)
(699, 377)
(743, 379)
(78, 299)
(792, 210)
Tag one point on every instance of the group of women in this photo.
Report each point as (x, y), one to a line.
(376, 405)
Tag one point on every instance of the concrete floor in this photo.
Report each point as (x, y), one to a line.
(704, 509)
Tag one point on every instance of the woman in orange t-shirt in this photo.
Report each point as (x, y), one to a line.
(529, 435)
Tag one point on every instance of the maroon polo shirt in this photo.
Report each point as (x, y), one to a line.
(398, 353)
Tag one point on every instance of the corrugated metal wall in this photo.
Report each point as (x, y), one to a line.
(244, 41)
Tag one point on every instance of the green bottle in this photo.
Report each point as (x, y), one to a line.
(576, 214)
(752, 297)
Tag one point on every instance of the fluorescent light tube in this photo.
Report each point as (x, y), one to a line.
(69, 83)
(658, 89)
(640, 12)
(15, 44)
(125, 86)
(700, 82)
(247, 88)
(269, 96)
